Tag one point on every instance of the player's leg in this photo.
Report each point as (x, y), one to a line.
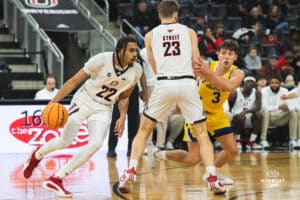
(69, 133)
(175, 126)
(97, 125)
(160, 102)
(229, 151)
(112, 138)
(137, 149)
(221, 130)
(264, 128)
(256, 127)
(207, 154)
(133, 117)
(238, 122)
(192, 110)
(191, 157)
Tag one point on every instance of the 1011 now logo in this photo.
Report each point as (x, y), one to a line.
(31, 130)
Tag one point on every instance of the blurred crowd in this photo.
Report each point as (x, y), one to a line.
(269, 38)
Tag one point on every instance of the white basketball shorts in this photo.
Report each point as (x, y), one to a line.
(181, 92)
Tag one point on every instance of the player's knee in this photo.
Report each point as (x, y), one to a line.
(64, 143)
(95, 146)
(233, 151)
(146, 127)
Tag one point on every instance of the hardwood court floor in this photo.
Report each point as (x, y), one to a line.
(268, 176)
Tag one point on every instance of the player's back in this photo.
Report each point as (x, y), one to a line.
(172, 49)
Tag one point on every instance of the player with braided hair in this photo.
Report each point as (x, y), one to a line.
(108, 76)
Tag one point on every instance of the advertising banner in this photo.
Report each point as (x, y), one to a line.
(57, 15)
(22, 129)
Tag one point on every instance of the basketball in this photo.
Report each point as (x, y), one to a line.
(55, 115)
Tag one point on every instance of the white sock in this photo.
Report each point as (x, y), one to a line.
(61, 174)
(211, 170)
(133, 164)
(253, 137)
(161, 155)
(38, 155)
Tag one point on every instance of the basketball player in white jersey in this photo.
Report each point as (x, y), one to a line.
(171, 49)
(246, 105)
(295, 93)
(113, 76)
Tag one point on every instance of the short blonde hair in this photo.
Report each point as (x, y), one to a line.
(167, 8)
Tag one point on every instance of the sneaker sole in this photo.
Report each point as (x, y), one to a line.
(126, 188)
(215, 189)
(55, 189)
(224, 183)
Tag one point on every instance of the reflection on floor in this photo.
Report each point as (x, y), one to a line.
(257, 175)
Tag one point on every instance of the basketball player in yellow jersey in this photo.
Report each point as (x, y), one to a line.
(219, 78)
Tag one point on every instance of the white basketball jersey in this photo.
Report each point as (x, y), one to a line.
(242, 102)
(172, 50)
(104, 84)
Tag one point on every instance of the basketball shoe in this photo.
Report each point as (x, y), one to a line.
(225, 180)
(153, 162)
(126, 180)
(215, 185)
(253, 145)
(30, 164)
(55, 184)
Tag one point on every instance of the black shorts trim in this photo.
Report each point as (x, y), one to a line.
(223, 131)
(74, 111)
(174, 77)
(151, 118)
(200, 120)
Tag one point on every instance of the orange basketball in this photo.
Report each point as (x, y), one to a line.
(55, 115)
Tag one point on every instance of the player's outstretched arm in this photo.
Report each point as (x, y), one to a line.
(235, 80)
(70, 85)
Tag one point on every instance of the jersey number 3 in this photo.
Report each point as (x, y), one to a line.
(106, 93)
(171, 48)
(217, 97)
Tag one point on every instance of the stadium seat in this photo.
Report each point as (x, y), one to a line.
(218, 10)
(233, 23)
(269, 50)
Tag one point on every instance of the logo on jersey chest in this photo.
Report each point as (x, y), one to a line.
(114, 83)
(119, 74)
(210, 86)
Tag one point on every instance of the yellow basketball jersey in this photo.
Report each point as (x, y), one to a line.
(212, 97)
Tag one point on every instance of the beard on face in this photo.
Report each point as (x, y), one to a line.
(275, 90)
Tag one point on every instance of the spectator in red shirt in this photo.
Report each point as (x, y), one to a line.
(284, 63)
(270, 38)
(209, 43)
